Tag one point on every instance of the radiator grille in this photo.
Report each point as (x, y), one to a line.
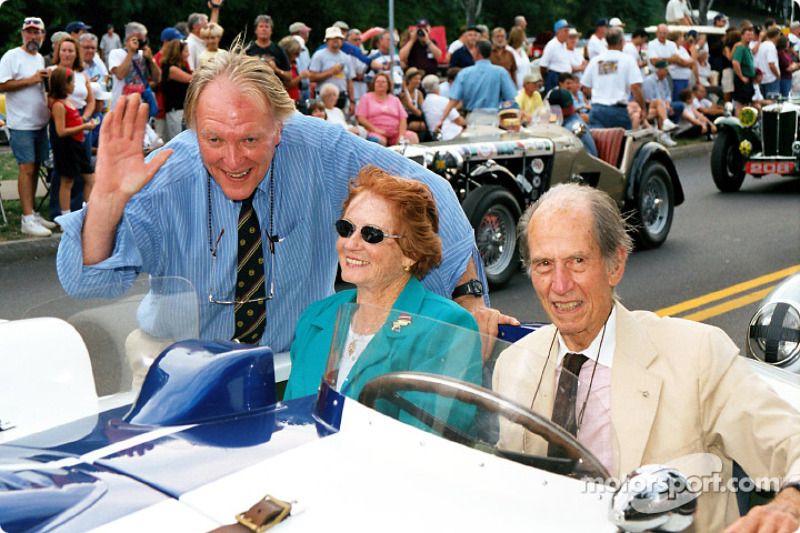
(779, 130)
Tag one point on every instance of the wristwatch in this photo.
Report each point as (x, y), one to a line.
(472, 288)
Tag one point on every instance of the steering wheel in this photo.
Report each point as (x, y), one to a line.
(387, 387)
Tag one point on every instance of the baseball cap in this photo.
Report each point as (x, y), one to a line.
(298, 27)
(661, 64)
(560, 23)
(33, 22)
(333, 33)
(720, 16)
(342, 25)
(170, 34)
(532, 77)
(422, 22)
(472, 28)
(563, 98)
(600, 22)
(57, 36)
(615, 22)
(573, 31)
(100, 93)
(77, 25)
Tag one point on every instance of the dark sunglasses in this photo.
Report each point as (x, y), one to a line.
(370, 234)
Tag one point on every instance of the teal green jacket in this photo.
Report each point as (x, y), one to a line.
(420, 345)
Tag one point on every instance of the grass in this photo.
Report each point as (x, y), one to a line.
(11, 231)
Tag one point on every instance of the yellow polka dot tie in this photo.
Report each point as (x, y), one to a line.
(250, 316)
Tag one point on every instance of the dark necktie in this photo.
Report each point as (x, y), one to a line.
(250, 316)
(564, 408)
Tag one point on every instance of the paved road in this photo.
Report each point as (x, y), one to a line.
(717, 241)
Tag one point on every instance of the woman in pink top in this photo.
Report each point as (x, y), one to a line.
(382, 113)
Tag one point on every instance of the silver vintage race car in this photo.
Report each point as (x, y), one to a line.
(497, 173)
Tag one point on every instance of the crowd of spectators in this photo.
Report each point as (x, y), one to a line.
(408, 84)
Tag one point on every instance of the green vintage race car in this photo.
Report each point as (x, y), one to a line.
(749, 145)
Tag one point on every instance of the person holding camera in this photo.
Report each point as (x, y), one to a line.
(133, 65)
(420, 50)
(24, 80)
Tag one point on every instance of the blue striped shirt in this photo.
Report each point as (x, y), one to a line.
(164, 231)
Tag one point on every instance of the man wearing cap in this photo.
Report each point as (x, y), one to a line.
(678, 13)
(196, 44)
(349, 49)
(109, 41)
(420, 50)
(576, 59)
(331, 65)
(76, 29)
(267, 50)
(563, 98)
(597, 42)
(464, 55)
(502, 56)
(529, 98)
(433, 106)
(555, 58)
(608, 83)
(482, 85)
(659, 97)
(23, 77)
(301, 32)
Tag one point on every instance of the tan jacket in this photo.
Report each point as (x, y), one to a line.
(677, 388)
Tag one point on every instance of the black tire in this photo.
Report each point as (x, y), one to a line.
(654, 206)
(494, 213)
(727, 165)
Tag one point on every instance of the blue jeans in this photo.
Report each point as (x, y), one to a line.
(773, 87)
(29, 146)
(608, 116)
(587, 140)
(677, 110)
(786, 87)
(678, 86)
(551, 80)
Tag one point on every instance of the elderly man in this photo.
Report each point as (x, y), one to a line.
(608, 83)
(502, 56)
(662, 48)
(127, 63)
(660, 104)
(794, 36)
(247, 153)
(420, 50)
(23, 78)
(95, 68)
(529, 98)
(433, 106)
(555, 58)
(668, 388)
(331, 65)
(482, 85)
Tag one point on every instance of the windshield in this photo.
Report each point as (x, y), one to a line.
(441, 378)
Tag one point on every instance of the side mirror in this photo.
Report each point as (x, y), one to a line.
(653, 498)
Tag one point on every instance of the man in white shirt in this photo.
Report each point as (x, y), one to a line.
(434, 105)
(121, 64)
(635, 49)
(609, 81)
(767, 60)
(109, 41)
(555, 58)
(597, 42)
(195, 23)
(794, 36)
(23, 77)
(301, 32)
(331, 65)
(678, 13)
(662, 48)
